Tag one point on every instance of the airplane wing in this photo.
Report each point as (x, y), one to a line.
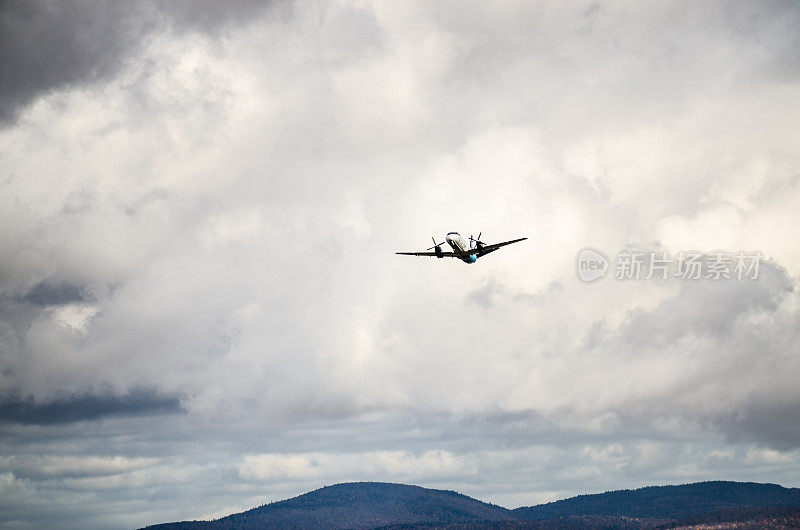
(444, 254)
(485, 249)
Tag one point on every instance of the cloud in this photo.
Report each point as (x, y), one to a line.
(87, 407)
(45, 294)
(55, 46)
(49, 46)
(204, 202)
(57, 466)
(343, 467)
(718, 353)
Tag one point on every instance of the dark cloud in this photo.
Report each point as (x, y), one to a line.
(767, 418)
(46, 294)
(211, 16)
(87, 407)
(46, 46)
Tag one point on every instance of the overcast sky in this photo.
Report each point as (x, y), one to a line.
(200, 305)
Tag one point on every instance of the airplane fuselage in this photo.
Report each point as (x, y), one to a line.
(461, 247)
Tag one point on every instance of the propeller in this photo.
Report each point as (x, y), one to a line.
(435, 244)
(477, 241)
(438, 247)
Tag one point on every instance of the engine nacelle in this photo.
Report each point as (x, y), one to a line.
(438, 251)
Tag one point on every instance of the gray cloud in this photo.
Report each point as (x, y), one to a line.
(738, 340)
(47, 46)
(87, 407)
(45, 294)
(213, 17)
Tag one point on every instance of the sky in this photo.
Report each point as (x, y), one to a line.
(201, 309)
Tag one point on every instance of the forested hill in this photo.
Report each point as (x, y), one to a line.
(361, 505)
(667, 502)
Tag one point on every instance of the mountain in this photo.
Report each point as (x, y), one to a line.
(357, 505)
(360, 505)
(667, 502)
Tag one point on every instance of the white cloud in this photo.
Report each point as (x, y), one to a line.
(395, 465)
(75, 316)
(57, 466)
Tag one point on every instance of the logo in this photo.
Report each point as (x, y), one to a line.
(591, 265)
(632, 264)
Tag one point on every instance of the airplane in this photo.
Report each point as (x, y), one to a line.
(466, 252)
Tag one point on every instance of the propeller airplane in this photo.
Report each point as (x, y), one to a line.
(468, 252)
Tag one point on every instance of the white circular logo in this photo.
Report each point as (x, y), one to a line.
(591, 265)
